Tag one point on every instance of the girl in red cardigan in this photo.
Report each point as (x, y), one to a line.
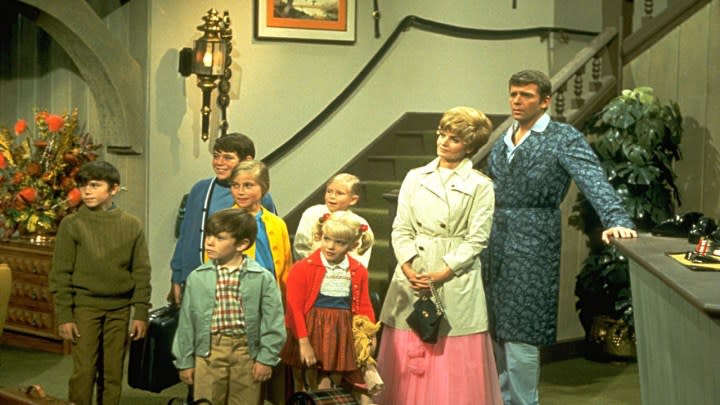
(324, 292)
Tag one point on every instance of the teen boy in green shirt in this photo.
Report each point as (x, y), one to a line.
(100, 271)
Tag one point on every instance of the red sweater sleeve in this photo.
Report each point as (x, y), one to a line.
(298, 288)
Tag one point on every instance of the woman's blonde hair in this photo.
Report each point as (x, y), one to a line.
(471, 125)
(257, 169)
(347, 226)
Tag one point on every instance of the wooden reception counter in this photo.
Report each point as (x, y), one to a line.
(677, 323)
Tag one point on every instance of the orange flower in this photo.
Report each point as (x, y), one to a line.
(20, 126)
(3, 162)
(28, 194)
(74, 197)
(54, 122)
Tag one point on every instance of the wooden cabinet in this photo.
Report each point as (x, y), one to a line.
(30, 319)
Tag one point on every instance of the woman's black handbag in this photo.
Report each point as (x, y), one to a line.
(426, 316)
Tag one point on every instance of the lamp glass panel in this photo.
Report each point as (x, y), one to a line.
(209, 59)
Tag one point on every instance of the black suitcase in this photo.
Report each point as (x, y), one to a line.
(150, 366)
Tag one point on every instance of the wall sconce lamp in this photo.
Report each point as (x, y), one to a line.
(210, 61)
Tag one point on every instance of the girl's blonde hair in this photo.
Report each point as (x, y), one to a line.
(346, 226)
(471, 125)
(257, 169)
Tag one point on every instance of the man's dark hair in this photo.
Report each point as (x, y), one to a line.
(239, 223)
(98, 170)
(235, 142)
(525, 77)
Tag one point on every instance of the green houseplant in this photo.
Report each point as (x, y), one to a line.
(637, 139)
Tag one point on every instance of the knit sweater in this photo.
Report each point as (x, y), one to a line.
(101, 261)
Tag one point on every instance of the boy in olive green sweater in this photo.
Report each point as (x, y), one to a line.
(100, 271)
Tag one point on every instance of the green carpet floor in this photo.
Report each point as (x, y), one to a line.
(569, 382)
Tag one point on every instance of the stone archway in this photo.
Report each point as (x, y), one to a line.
(113, 76)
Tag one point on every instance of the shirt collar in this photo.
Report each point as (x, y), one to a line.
(233, 269)
(344, 264)
(464, 169)
(539, 126)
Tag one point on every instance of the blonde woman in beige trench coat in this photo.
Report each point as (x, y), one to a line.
(443, 222)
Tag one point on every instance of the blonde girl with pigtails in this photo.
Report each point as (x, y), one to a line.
(324, 292)
(366, 236)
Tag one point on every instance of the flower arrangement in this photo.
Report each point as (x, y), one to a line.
(38, 170)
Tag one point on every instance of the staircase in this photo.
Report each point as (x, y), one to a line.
(406, 144)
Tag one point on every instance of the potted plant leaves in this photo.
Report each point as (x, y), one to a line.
(637, 139)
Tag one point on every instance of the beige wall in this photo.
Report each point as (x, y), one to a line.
(685, 67)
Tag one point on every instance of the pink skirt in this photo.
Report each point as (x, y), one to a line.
(457, 370)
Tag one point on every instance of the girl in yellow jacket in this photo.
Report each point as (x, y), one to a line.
(272, 249)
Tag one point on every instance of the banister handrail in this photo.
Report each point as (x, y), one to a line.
(558, 80)
(583, 57)
(637, 42)
(410, 21)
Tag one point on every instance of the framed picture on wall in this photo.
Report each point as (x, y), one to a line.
(305, 20)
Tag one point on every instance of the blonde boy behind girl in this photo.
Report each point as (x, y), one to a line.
(231, 328)
(324, 292)
(342, 192)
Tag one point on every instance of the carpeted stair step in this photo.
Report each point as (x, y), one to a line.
(382, 258)
(409, 142)
(379, 220)
(395, 167)
(372, 192)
